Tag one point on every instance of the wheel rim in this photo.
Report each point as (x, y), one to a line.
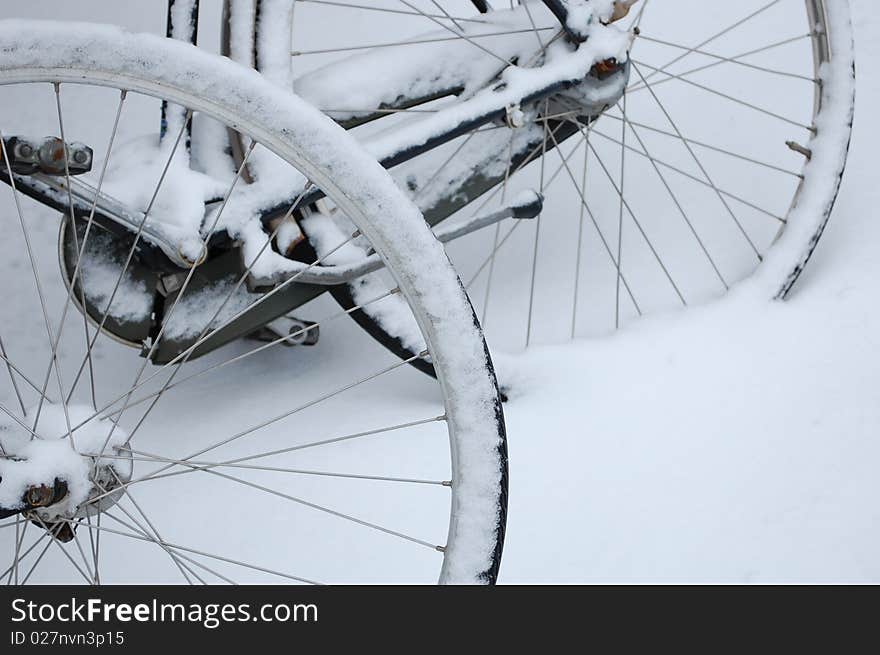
(459, 561)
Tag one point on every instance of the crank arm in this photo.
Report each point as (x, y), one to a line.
(527, 205)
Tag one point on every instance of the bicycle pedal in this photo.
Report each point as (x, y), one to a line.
(290, 330)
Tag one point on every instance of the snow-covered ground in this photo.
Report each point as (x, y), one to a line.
(731, 442)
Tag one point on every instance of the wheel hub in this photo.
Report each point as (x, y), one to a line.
(65, 473)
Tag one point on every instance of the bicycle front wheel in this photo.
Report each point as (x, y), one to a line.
(326, 465)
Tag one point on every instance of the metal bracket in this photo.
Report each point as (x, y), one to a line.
(47, 156)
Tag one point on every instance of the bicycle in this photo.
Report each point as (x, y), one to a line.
(288, 240)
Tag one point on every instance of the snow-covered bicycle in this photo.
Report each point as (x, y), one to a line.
(248, 208)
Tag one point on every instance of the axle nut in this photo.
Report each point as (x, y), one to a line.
(39, 496)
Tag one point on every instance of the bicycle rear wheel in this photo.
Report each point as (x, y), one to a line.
(720, 163)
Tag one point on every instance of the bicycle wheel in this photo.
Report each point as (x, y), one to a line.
(275, 464)
(720, 162)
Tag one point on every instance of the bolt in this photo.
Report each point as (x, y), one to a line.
(25, 150)
(80, 156)
(515, 117)
(42, 495)
(39, 495)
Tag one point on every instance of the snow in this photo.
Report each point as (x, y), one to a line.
(348, 87)
(214, 304)
(98, 276)
(178, 209)
(735, 441)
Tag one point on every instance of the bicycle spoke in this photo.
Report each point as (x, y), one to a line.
(497, 234)
(678, 204)
(537, 239)
(638, 225)
(80, 249)
(442, 167)
(168, 385)
(541, 45)
(29, 248)
(9, 368)
(204, 554)
(620, 216)
(157, 339)
(189, 276)
(729, 60)
(149, 457)
(91, 575)
(97, 546)
(184, 356)
(700, 166)
(516, 224)
(585, 205)
(176, 557)
(580, 236)
(53, 540)
(460, 35)
(72, 217)
(137, 237)
(311, 403)
(708, 146)
(390, 10)
(94, 549)
(638, 86)
(161, 472)
(153, 531)
(694, 178)
(721, 94)
(715, 37)
(326, 510)
(20, 530)
(20, 422)
(25, 378)
(23, 555)
(446, 14)
(470, 38)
